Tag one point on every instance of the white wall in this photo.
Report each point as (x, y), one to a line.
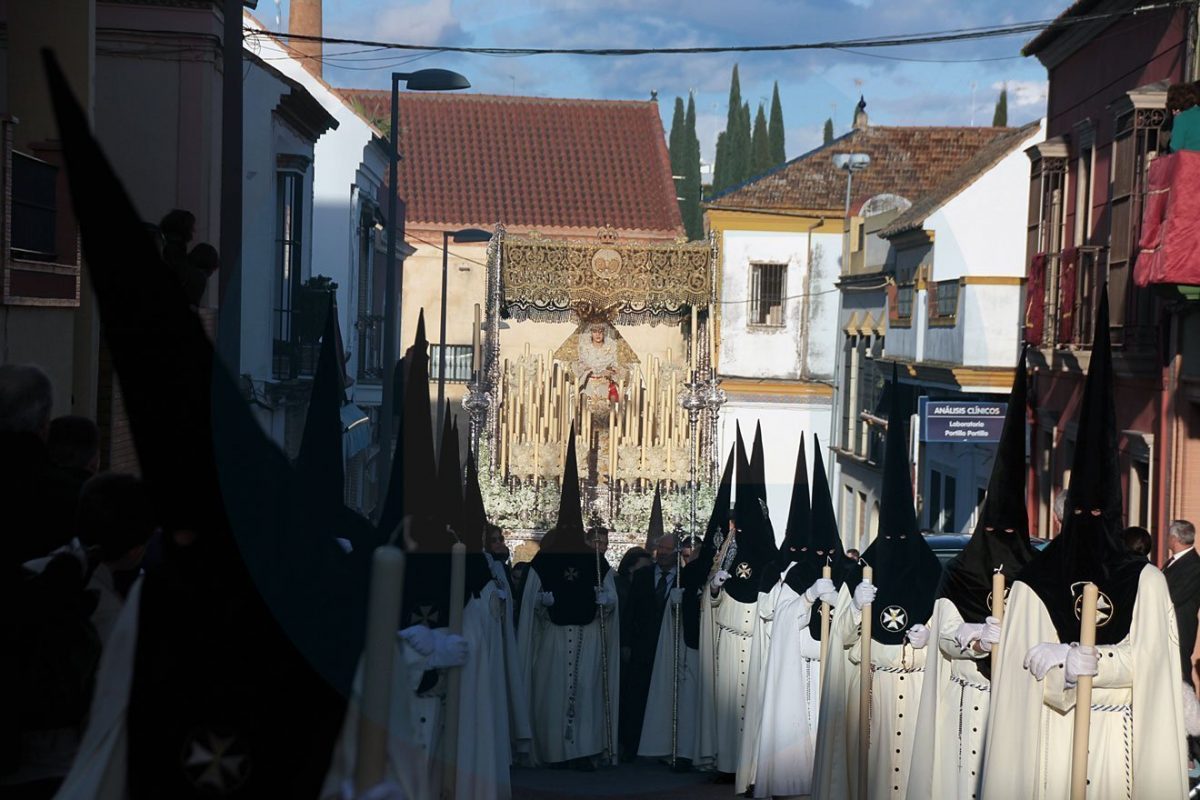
(782, 426)
(756, 352)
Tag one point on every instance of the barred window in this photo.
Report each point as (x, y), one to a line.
(289, 209)
(904, 301)
(766, 294)
(458, 362)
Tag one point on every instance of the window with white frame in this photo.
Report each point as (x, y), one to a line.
(289, 228)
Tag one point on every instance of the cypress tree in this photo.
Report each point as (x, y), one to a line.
(693, 217)
(828, 130)
(744, 159)
(760, 145)
(720, 164)
(1000, 115)
(675, 142)
(775, 129)
(728, 169)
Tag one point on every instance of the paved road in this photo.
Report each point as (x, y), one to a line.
(642, 779)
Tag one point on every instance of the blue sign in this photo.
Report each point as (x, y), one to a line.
(961, 421)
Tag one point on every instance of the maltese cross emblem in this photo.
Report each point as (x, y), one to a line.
(570, 574)
(894, 618)
(215, 763)
(1104, 606)
(425, 615)
(743, 570)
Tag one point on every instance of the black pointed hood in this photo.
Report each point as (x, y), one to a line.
(695, 574)
(1090, 547)
(450, 488)
(758, 464)
(223, 640)
(475, 521)
(906, 571)
(753, 551)
(319, 464)
(823, 545)
(567, 566)
(655, 529)
(1001, 537)
(799, 521)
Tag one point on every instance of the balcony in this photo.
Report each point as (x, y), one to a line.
(297, 343)
(40, 255)
(370, 348)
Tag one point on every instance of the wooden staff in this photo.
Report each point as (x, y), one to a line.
(864, 694)
(827, 574)
(1083, 697)
(383, 620)
(997, 612)
(458, 581)
(678, 612)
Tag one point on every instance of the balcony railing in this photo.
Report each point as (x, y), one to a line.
(370, 348)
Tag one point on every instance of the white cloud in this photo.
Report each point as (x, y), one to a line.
(1025, 94)
(431, 22)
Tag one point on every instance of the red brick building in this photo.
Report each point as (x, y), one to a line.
(1109, 70)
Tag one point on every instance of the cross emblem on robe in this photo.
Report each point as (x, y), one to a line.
(570, 574)
(425, 615)
(894, 618)
(215, 763)
(743, 570)
(1104, 606)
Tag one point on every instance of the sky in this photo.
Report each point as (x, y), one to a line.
(942, 84)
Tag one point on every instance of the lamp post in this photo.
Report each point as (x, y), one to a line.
(464, 236)
(849, 163)
(425, 80)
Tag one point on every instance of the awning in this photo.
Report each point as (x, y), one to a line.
(356, 431)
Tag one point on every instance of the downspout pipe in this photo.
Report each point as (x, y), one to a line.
(805, 311)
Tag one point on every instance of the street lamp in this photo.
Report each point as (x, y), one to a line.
(851, 163)
(424, 80)
(465, 236)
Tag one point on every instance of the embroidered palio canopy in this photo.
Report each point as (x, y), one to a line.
(635, 281)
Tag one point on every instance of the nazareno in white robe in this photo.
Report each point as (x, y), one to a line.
(836, 750)
(563, 679)
(755, 681)
(519, 733)
(952, 720)
(1136, 743)
(786, 740)
(656, 726)
(725, 675)
(897, 675)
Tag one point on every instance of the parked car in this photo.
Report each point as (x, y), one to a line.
(947, 545)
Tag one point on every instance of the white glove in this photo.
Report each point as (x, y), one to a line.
(1081, 661)
(450, 650)
(419, 638)
(990, 636)
(676, 595)
(503, 595)
(605, 598)
(823, 589)
(380, 791)
(1041, 658)
(967, 632)
(719, 579)
(546, 598)
(864, 594)
(918, 636)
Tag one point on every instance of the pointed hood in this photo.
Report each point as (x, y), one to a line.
(568, 566)
(655, 529)
(260, 638)
(1090, 547)
(758, 464)
(319, 464)
(450, 488)
(799, 521)
(1001, 538)
(906, 571)
(718, 519)
(754, 548)
(475, 521)
(823, 545)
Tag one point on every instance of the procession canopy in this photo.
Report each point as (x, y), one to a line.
(549, 280)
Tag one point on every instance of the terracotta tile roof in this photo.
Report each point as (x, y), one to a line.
(905, 161)
(530, 162)
(984, 159)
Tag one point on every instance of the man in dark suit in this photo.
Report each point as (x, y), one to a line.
(648, 595)
(1182, 571)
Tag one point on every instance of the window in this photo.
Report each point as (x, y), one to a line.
(864, 534)
(935, 497)
(766, 294)
(370, 317)
(458, 362)
(942, 490)
(904, 301)
(943, 300)
(289, 200)
(849, 532)
(34, 208)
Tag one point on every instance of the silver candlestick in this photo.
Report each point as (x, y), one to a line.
(476, 402)
(714, 398)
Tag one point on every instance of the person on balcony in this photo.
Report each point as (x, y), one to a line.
(1183, 124)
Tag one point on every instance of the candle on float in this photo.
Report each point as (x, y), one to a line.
(694, 342)
(612, 447)
(383, 620)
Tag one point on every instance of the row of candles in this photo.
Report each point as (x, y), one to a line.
(544, 402)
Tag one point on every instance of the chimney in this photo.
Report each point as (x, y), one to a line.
(860, 113)
(304, 19)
